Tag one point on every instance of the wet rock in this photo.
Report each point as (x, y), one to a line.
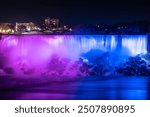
(8, 70)
(29, 71)
(2, 60)
(2, 72)
(134, 66)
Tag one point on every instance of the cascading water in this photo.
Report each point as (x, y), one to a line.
(135, 44)
(35, 50)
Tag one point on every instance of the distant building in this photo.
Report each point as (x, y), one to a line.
(50, 26)
(52, 23)
(7, 28)
(26, 27)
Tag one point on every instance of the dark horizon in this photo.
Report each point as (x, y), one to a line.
(75, 12)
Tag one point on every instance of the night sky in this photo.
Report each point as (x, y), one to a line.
(75, 11)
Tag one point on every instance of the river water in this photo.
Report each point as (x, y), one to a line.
(90, 88)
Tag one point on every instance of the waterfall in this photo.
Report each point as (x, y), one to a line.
(39, 47)
(135, 44)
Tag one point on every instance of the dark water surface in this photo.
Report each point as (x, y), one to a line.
(122, 88)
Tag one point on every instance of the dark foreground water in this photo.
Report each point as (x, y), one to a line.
(121, 88)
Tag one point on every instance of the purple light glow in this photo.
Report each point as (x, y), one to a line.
(34, 51)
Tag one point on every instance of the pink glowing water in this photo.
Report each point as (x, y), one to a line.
(34, 51)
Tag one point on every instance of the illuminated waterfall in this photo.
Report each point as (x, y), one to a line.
(38, 48)
(135, 44)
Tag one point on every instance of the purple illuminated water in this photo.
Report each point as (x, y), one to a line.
(33, 52)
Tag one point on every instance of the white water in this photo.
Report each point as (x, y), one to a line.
(41, 47)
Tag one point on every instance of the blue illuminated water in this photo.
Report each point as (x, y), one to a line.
(89, 88)
(66, 44)
(34, 50)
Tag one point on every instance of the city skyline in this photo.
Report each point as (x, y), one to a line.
(75, 12)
